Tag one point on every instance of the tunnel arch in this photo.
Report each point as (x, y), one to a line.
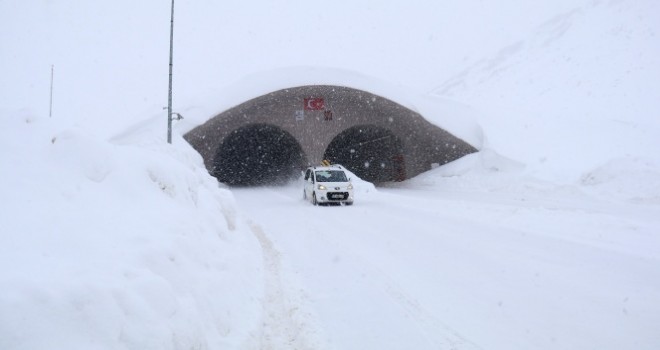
(372, 152)
(258, 154)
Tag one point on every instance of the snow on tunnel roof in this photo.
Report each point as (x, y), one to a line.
(456, 118)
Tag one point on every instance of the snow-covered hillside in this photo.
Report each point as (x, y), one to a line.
(546, 239)
(575, 93)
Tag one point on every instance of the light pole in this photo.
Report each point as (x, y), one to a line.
(52, 74)
(169, 97)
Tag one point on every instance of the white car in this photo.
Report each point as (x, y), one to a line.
(327, 184)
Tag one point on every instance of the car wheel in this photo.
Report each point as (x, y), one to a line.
(314, 199)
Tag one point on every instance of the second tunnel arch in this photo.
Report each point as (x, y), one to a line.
(321, 117)
(373, 153)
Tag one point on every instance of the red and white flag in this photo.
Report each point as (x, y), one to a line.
(314, 104)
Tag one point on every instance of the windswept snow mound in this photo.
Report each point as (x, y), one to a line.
(632, 179)
(484, 166)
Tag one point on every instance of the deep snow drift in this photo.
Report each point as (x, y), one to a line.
(123, 244)
(547, 239)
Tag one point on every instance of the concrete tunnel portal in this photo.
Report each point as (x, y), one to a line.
(268, 140)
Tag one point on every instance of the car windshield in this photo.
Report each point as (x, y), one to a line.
(330, 176)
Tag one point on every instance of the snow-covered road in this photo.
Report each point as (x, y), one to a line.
(485, 264)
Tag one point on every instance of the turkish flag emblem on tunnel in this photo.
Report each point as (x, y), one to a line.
(314, 104)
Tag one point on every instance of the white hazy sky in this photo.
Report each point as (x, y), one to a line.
(111, 57)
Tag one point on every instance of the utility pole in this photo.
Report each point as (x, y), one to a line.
(52, 72)
(169, 98)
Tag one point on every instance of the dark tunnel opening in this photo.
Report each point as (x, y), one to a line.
(373, 153)
(258, 154)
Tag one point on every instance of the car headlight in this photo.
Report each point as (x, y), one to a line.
(350, 186)
(321, 187)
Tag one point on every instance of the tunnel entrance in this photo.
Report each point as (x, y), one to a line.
(266, 139)
(258, 154)
(373, 153)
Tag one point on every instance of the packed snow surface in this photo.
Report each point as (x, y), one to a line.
(487, 260)
(548, 238)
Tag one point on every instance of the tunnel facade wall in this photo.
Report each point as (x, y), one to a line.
(315, 115)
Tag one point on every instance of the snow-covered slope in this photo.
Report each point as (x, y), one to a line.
(578, 92)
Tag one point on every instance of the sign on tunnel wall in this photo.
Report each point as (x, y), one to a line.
(382, 140)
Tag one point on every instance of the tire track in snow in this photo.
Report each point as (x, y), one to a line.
(285, 324)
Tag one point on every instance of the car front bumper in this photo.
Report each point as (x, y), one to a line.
(334, 196)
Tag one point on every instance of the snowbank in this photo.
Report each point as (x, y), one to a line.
(115, 245)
